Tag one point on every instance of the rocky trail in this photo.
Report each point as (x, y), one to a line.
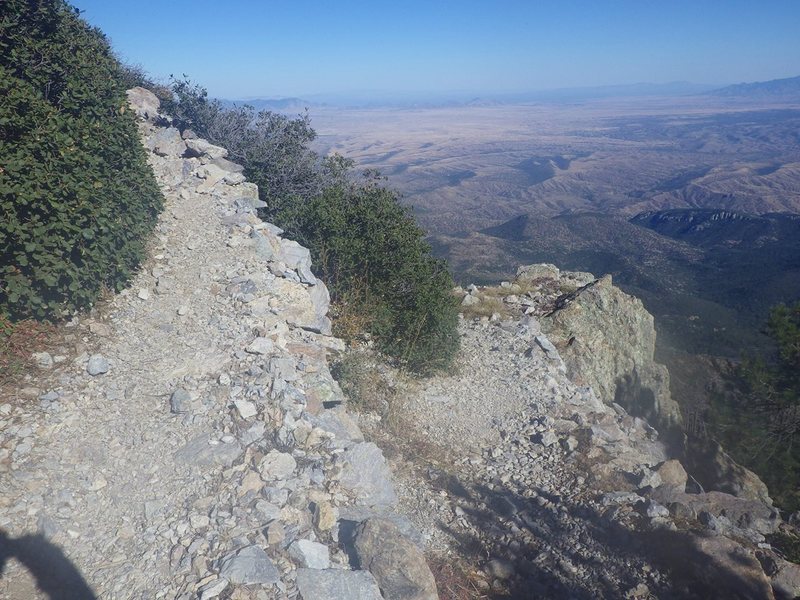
(187, 440)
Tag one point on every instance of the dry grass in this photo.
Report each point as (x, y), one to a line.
(486, 308)
(454, 579)
(17, 342)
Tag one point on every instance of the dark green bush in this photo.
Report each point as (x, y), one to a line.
(380, 272)
(77, 198)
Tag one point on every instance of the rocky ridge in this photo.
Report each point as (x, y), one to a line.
(189, 441)
(552, 491)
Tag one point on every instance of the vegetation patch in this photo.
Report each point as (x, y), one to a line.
(758, 422)
(77, 198)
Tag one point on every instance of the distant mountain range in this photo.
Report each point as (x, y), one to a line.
(776, 88)
(275, 104)
(788, 88)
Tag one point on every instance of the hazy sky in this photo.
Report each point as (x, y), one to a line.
(241, 48)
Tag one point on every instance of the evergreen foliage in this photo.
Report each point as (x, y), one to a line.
(365, 245)
(380, 272)
(761, 427)
(77, 198)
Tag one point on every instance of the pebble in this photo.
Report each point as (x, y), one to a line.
(97, 365)
(43, 360)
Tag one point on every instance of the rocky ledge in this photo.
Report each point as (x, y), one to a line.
(564, 491)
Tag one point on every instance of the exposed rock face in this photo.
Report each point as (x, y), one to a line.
(607, 339)
(551, 463)
(714, 469)
(144, 103)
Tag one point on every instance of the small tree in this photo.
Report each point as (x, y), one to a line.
(761, 426)
(380, 271)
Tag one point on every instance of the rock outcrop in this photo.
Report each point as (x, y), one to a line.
(607, 339)
(550, 463)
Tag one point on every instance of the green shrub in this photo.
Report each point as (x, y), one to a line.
(759, 421)
(380, 272)
(273, 148)
(77, 198)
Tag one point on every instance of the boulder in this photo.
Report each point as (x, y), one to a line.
(277, 465)
(200, 147)
(249, 565)
(226, 165)
(715, 470)
(527, 273)
(470, 300)
(297, 257)
(312, 555)
(337, 584)
(301, 306)
(144, 103)
(211, 174)
(743, 513)
(167, 142)
(398, 566)
(366, 475)
(672, 474)
(350, 517)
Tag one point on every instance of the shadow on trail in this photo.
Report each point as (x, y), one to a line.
(552, 557)
(55, 574)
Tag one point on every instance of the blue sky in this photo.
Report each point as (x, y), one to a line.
(241, 49)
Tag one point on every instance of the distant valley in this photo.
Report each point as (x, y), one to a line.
(468, 168)
(691, 202)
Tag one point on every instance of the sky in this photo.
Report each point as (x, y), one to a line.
(246, 49)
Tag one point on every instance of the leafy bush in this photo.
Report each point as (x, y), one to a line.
(380, 272)
(273, 148)
(77, 198)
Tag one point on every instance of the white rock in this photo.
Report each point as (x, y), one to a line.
(43, 359)
(312, 555)
(260, 346)
(245, 408)
(213, 589)
(199, 521)
(97, 365)
(277, 465)
(144, 294)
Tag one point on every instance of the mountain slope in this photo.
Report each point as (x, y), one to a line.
(775, 88)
